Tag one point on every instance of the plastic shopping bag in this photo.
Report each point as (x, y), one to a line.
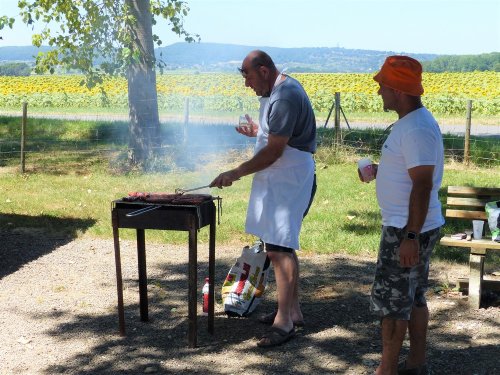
(246, 281)
(493, 213)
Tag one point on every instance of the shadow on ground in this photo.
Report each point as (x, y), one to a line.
(20, 237)
(340, 336)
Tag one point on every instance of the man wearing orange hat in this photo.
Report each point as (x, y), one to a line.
(407, 182)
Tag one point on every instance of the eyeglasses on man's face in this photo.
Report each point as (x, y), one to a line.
(244, 71)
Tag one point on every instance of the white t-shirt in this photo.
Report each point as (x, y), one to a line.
(414, 140)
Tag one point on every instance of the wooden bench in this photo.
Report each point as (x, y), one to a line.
(466, 202)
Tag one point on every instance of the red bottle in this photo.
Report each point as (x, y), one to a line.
(204, 292)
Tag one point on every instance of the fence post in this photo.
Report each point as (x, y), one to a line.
(467, 133)
(186, 120)
(23, 136)
(337, 119)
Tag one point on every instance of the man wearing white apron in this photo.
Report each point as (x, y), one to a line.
(282, 187)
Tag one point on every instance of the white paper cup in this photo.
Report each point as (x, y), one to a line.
(477, 226)
(366, 169)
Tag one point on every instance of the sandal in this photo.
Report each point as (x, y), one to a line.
(269, 319)
(419, 370)
(275, 337)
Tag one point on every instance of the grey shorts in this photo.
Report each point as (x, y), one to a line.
(397, 289)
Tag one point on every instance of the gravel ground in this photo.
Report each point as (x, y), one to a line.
(58, 315)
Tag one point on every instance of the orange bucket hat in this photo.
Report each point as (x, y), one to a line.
(401, 73)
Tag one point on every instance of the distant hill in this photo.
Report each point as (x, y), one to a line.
(218, 57)
(226, 57)
(464, 63)
(20, 54)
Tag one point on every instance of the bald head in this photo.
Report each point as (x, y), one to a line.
(260, 58)
(259, 72)
(255, 59)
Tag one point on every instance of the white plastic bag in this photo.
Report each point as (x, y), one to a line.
(246, 281)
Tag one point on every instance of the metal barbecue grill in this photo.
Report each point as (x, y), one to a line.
(188, 212)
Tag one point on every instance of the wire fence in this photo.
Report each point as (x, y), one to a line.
(484, 150)
(54, 143)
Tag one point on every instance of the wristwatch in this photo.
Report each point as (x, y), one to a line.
(411, 235)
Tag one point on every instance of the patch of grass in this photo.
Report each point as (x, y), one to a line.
(484, 150)
(81, 166)
(344, 217)
(56, 146)
(77, 142)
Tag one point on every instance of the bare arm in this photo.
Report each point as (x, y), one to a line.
(421, 178)
(263, 159)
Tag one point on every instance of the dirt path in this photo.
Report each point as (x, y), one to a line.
(58, 316)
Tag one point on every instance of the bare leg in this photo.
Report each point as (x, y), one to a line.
(285, 271)
(417, 328)
(393, 334)
(296, 312)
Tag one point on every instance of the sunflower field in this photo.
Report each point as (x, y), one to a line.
(445, 93)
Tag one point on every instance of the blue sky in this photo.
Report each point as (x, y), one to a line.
(424, 26)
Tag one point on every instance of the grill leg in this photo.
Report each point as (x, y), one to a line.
(119, 282)
(143, 279)
(192, 293)
(211, 274)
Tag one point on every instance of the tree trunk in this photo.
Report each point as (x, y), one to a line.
(144, 126)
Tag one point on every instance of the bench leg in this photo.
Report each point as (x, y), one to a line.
(476, 264)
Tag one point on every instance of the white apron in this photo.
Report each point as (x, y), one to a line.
(280, 193)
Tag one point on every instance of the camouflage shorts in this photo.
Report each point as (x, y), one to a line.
(397, 289)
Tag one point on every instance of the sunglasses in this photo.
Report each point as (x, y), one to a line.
(244, 72)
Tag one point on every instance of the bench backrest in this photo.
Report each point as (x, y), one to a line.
(467, 202)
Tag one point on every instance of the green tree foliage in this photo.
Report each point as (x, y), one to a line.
(15, 69)
(107, 37)
(464, 63)
(83, 32)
